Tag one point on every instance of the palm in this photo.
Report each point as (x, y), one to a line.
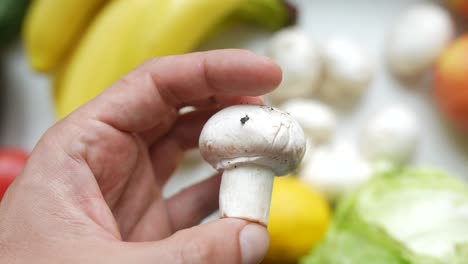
(136, 169)
(132, 189)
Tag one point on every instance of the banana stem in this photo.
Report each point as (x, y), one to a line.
(271, 14)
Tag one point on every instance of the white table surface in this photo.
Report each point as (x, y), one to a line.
(27, 110)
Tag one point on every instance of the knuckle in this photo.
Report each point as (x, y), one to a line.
(152, 61)
(126, 81)
(196, 252)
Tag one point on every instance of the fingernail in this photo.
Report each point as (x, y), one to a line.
(254, 242)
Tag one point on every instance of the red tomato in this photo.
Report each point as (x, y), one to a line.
(11, 163)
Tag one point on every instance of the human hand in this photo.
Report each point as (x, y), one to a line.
(91, 191)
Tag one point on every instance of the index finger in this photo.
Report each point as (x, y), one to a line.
(158, 88)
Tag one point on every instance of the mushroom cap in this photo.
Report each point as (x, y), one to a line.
(336, 169)
(253, 134)
(348, 68)
(420, 35)
(317, 119)
(299, 58)
(391, 135)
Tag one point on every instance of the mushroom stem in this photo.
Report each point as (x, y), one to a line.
(245, 192)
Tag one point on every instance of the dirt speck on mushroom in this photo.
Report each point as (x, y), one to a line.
(244, 119)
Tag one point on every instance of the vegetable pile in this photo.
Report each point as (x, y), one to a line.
(400, 217)
(386, 212)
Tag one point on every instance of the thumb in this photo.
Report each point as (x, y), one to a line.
(225, 240)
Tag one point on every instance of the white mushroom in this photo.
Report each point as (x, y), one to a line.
(317, 119)
(347, 68)
(336, 170)
(299, 59)
(250, 144)
(419, 36)
(391, 136)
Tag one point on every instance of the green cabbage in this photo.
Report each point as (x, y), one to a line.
(403, 216)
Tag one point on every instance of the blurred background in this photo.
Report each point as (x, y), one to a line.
(380, 88)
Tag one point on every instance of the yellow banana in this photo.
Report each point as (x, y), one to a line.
(126, 33)
(100, 56)
(52, 27)
(184, 24)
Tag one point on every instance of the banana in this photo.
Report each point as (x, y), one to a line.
(52, 27)
(126, 33)
(185, 23)
(101, 55)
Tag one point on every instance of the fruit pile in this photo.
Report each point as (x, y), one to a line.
(86, 45)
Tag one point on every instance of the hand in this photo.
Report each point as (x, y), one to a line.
(91, 191)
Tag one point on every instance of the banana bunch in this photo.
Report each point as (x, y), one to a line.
(86, 45)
